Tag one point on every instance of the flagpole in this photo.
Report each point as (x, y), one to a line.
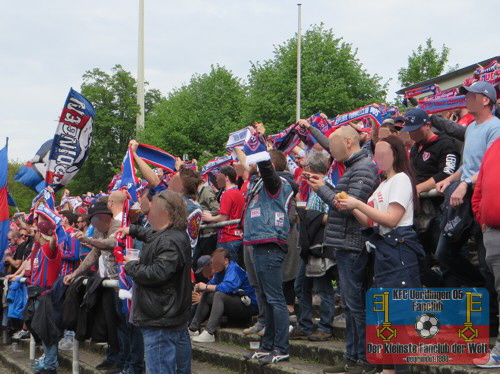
(299, 37)
(140, 70)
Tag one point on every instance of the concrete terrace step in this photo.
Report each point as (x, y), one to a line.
(231, 357)
(18, 362)
(88, 359)
(328, 353)
(324, 353)
(90, 356)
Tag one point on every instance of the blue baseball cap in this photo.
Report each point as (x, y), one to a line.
(484, 88)
(415, 118)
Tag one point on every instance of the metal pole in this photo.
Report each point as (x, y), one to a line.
(76, 356)
(32, 347)
(140, 70)
(299, 37)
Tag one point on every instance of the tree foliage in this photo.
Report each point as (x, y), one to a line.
(198, 117)
(21, 194)
(424, 63)
(333, 80)
(115, 101)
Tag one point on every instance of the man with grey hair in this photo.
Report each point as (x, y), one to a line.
(343, 235)
(314, 269)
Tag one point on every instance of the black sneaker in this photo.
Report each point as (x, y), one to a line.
(105, 365)
(257, 355)
(362, 368)
(274, 358)
(343, 366)
(298, 334)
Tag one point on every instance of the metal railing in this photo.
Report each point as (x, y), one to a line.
(76, 344)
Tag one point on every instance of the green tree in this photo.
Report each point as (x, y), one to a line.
(333, 80)
(198, 117)
(21, 194)
(424, 63)
(115, 101)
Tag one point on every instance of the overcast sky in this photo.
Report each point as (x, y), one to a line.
(47, 45)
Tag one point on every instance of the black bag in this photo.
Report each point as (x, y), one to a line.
(458, 220)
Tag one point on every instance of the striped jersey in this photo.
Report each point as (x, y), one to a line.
(70, 253)
(46, 265)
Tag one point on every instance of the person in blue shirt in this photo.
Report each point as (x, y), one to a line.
(228, 293)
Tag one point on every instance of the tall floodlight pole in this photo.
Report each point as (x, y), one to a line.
(140, 70)
(299, 37)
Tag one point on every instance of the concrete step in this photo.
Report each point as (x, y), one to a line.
(324, 353)
(90, 355)
(18, 362)
(88, 359)
(231, 358)
(328, 353)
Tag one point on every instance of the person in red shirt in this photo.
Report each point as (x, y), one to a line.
(465, 118)
(46, 258)
(231, 207)
(486, 205)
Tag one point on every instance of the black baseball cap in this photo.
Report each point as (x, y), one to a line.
(484, 88)
(415, 118)
(399, 119)
(98, 208)
(202, 263)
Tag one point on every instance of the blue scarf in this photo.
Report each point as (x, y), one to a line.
(156, 156)
(369, 111)
(255, 149)
(439, 105)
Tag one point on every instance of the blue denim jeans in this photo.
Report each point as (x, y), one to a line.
(50, 360)
(50, 352)
(166, 351)
(268, 260)
(134, 362)
(119, 358)
(234, 249)
(353, 269)
(324, 289)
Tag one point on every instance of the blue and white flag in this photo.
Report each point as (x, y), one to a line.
(71, 144)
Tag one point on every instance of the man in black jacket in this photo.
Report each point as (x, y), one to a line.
(434, 157)
(343, 237)
(161, 300)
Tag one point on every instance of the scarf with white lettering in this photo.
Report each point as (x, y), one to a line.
(439, 105)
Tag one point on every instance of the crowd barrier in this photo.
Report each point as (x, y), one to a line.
(76, 344)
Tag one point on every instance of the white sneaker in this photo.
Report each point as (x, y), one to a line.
(21, 334)
(262, 332)
(493, 362)
(65, 345)
(255, 329)
(192, 334)
(204, 337)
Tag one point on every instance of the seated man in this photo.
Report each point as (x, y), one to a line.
(228, 294)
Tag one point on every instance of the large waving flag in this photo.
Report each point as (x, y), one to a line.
(32, 175)
(156, 157)
(4, 205)
(71, 144)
